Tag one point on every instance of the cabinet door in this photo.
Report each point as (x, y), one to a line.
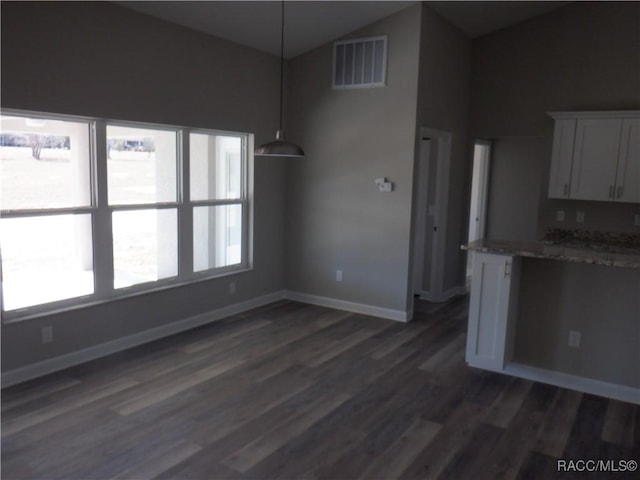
(593, 174)
(564, 132)
(491, 310)
(628, 178)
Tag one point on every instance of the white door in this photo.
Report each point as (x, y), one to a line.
(479, 194)
(431, 213)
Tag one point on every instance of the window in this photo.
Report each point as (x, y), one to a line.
(142, 174)
(217, 193)
(47, 211)
(360, 63)
(152, 206)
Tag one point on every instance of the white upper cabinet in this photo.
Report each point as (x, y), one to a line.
(628, 177)
(593, 174)
(596, 156)
(564, 134)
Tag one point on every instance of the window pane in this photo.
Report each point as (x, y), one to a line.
(145, 246)
(43, 163)
(45, 259)
(141, 165)
(217, 236)
(216, 166)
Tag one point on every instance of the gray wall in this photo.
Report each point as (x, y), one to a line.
(580, 57)
(98, 59)
(557, 297)
(515, 173)
(444, 96)
(336, 217)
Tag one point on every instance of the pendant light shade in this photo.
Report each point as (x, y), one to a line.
(280, 148)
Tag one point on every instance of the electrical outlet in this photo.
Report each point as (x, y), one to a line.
(338, 275)
(47, 334)
(579, 216)
(560, 215)
(232, 288)
(574, 339)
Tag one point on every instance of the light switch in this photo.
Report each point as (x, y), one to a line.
(560, 215)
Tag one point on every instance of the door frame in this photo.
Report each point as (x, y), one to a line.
(443, 158)
(483, 188)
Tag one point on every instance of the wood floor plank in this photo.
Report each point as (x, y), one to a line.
(27, 395)
(452, 437)
(510, 451)
(293, 391)
(16, 424)
(340, 347)
(263, 446)
(505, 407)
(558, 423)
(619, 423)
(444, 355)
(218, 340)
(398, 340)
(403, 451)
(160, 462)
(167, 391)
(239, 411)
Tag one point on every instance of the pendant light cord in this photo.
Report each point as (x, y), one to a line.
(281, 64)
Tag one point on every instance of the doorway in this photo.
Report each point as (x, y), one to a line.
(479, 195)
(431, 214)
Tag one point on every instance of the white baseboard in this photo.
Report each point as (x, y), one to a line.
(444, 296)
(582, 384)
(388, 313)
(55, 364)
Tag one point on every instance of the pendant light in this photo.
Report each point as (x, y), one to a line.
(280, 148)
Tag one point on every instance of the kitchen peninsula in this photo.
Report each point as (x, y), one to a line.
(561, 312)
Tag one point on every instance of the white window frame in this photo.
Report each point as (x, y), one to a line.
(101, 213)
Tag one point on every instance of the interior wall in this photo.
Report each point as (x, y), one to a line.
(553, 302)
(583, 56)
(515, 172)
(336, 217)
(443, 104)
(99, 59)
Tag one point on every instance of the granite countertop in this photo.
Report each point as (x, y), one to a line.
(569, 251)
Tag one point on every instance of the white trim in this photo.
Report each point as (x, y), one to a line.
(61, 362)
(444, 296)
(582, 384)
(388, 313)
(595, 114)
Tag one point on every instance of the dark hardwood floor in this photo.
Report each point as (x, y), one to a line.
(294, 391)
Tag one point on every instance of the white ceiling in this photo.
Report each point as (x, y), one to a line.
(310, 23)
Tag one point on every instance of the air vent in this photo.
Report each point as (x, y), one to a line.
(360, 63)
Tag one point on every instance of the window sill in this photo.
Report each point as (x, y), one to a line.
(35, 312)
